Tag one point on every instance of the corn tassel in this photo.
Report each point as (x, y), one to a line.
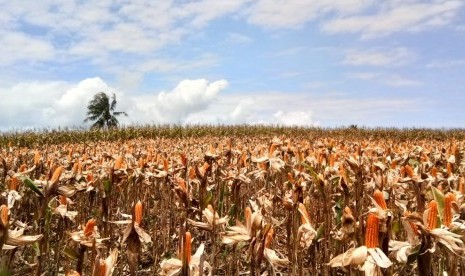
(372, 231)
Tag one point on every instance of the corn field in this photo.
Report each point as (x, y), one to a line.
(232, 200)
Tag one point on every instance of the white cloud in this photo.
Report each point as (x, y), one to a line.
(397, 16)
(295, 13)
(379, 57)
(23, 47)
(192, 101)
(295, 118)
(188, 97)
(84, 29)
(53, 104)
(300, 109)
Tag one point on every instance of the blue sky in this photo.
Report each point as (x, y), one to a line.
(297, 62)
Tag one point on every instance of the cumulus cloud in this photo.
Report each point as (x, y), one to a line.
(189, 96)
(248, 109)
(295, 118)
(53, 104)
(191, 101)
(47, 104)
(299, 109)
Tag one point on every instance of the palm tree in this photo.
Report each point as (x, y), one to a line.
(102, 111)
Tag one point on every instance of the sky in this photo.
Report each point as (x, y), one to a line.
(327, 63)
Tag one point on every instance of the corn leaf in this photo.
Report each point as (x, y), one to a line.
(31, 185)
(439, 197)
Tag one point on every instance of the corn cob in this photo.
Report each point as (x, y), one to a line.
(434, 172)
(118, 163)
(449, 169)
(89, 228)
(182, 185)
(14, 183)
(56, 175)
(138, 213)
(187, 247)
(192, 174)
(379, 198)
(412, 225)
(63, 200)
(372, 231)
(248, 217)
(165, 165)
(36, 158)
(409, 171)
(462, 185)
(449, 198)
(432, 219)
(269, 237)
(4, 215)
(102, 268)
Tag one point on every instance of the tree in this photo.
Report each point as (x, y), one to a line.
(102, 112)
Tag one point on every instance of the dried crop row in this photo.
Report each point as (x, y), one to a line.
(292, 205)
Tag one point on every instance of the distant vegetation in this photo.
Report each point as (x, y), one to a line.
(65, 135)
